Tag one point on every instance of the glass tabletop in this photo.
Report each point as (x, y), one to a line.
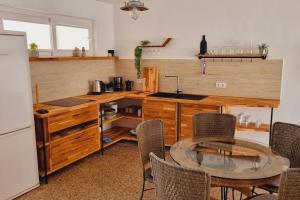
(229, 158)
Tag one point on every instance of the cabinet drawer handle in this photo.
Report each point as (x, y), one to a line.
(76, 115)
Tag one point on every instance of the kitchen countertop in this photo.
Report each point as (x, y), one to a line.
(104, 98)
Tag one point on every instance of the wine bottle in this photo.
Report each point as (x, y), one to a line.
(203, 45)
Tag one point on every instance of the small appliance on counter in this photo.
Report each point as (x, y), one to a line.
(98, 87)
(109, 87)
(118, 83)
(129, 85)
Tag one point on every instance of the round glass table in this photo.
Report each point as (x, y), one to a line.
(230, 162)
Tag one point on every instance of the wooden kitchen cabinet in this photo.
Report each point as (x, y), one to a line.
(68, 137)
(187, 111)
(167, 111)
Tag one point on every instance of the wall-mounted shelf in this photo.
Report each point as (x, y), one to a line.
(252, 127)
(159, 46)
(70, 58)
(233, 56)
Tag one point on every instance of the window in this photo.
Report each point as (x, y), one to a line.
(69, 37)
(37, 33)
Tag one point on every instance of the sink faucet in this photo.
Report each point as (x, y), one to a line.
(178, 91)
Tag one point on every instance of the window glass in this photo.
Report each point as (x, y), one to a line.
(70, 37)
(37, 33)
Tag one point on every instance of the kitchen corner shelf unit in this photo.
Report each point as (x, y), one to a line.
(116, 133)
(233, 56)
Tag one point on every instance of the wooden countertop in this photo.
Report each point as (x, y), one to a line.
(226, 101)
(104, 98)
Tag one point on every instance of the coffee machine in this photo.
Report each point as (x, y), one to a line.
(118, 83)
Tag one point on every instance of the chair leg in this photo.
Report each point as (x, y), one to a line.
(143, 189)
(232, 194)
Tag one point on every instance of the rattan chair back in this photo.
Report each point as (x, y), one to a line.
(285, 141)
(289, 188)
(214, 125)
(175, 182)
(150, 139)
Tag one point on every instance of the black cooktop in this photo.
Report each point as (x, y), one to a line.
(68, 102)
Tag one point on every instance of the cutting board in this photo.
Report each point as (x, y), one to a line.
(151, 75)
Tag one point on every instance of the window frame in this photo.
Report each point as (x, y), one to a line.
(64, 51)
(52, 20)
(34, 22)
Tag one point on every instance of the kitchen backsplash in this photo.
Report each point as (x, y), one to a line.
(254, 79)
(61, 79)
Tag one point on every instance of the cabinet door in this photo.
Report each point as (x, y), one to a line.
(186, 117)
(167, 111)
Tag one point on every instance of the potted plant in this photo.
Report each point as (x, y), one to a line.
(263, 48)
(34, 50)
(138, 52)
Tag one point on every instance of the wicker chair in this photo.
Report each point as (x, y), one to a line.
(214, 125)
(175, 182)
(284, 142)
(289, 188)
(150, 139)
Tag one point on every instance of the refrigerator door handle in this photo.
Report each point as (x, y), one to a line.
(15, 130)
(3, 54)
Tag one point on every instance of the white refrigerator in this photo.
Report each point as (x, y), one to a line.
(18, 157)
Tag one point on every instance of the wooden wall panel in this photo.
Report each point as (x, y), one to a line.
(61, 79)
(256, 79)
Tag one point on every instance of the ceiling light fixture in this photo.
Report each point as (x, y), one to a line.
(134, 7)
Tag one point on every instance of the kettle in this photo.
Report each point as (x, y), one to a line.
(98, 87)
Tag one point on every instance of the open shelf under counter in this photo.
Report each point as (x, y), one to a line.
(70, 58)
(252, 127)
(117, 134)
(121, 116)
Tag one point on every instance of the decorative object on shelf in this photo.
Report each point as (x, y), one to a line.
(263, 48)
(111, 53)
(134, 7)
(34, 50)
(203, 45)
(138, 52)
(83, 52)
(76, 52)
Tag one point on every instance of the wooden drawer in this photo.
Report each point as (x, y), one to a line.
(187, 111)
(72, 118)
(74, 147)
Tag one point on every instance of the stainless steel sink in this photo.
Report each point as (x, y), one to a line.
(178, 96)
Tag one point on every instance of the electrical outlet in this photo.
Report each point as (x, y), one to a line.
(221, 84)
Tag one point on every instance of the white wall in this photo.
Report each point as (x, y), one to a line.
(230, 22)
(102, 13)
